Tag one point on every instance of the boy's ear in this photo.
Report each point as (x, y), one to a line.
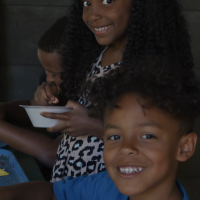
(187, 147)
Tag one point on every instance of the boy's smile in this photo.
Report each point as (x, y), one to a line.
(141, 147)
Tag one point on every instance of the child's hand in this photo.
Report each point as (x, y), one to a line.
(75, 122)
(46, 94)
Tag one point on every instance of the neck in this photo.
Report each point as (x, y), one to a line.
(119, 45)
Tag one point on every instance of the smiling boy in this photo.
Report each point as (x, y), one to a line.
(148, 119)
(148, 122)
(142, 150)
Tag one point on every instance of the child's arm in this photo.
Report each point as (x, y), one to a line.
(11, 111)
(76, 122)
(45, 95)
(28, 191)
(35, 144)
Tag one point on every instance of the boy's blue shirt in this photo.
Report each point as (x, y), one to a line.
(95, 187)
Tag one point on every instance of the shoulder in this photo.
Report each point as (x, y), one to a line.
(81, 181)
(97, 186)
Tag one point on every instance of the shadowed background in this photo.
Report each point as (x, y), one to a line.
(22, 22)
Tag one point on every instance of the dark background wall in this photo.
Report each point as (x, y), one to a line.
(192, 13)
(22, 22)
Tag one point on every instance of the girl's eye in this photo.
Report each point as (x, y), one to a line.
(114, 137)
(86, 3)
(107, 1)
(148, 136)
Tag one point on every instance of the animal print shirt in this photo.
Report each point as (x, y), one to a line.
(77, 156)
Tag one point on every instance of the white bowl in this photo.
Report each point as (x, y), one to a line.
(43, 122)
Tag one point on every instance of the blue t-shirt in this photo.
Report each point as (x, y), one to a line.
(95, 187)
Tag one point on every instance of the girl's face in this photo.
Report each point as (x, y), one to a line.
(107, 19)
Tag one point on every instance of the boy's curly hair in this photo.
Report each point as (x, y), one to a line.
(156, 28)
(156, 82)
(53, 40)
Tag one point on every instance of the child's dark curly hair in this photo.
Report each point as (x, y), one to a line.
(53, 40)
(156, 28)
(155, 83)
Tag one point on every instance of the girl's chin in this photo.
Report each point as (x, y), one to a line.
(103, 41)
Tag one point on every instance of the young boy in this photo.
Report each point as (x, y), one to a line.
(43, 148)
(50, 50)
(148, 119)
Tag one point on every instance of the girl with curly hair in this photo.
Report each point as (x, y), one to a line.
(115, 33)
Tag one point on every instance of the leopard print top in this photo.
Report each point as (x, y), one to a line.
(77, 156)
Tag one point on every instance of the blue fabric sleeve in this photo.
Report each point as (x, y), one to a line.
(95, 187)
(182, 190)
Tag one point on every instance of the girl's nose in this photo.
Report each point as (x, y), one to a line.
(94, 13)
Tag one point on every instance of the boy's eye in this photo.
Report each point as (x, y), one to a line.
(107, 1)
(114, 137)
(148, 136)
(86, 3)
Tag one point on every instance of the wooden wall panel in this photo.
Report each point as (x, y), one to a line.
(25, 26)
(22, 22)
(19, 82)
(190, 4)
(37, 2)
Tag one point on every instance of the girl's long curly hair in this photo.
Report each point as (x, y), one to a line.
(156, 28)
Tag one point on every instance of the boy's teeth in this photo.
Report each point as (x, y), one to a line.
(130, 170)
(140, 169)
(101, 29)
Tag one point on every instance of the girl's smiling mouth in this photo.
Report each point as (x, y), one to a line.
(102, 30)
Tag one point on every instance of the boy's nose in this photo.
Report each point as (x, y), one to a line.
(49, 79)
(129, 148)
(94, 13)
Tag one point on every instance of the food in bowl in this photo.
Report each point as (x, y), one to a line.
(42, 122)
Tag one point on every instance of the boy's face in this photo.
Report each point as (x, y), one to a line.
(141, 147)
(52, 65)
